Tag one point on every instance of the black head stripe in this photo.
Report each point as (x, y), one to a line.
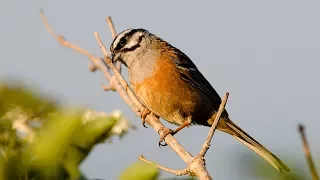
(123, 41)
(133, 47)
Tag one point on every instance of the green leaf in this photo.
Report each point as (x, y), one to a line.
(86, 136)
(140, 171)
(91, 133)
(46, 152)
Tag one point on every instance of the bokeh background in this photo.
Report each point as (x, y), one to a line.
(265, 53)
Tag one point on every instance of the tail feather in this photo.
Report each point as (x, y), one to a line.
(255, 146)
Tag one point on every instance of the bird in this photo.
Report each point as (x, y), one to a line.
(169, 85)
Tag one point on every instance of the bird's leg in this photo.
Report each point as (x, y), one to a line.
(144, 112)
(167, 131)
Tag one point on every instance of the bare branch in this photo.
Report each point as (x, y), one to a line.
(307, 153)
(214, 125)
(62, 41)
(48, 27)
(102, 46)
(179, 172)
(111, 26)
(114, 34)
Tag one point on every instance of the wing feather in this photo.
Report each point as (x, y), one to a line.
(190, 73)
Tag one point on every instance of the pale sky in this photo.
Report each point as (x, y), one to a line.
(265, 53)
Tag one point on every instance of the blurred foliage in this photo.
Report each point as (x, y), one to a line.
(15, 96)
(180, 178)
(258, 168)
(143, 171)
(140, 171)
(39, 139)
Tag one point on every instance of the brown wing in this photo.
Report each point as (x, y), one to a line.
(190, 73)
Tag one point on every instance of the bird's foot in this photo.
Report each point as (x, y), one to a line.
(144, 112)
(165, 132)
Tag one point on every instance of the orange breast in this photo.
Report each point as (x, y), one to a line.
(166, 94)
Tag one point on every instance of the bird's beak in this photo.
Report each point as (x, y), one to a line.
(115, 57)
(112, 58)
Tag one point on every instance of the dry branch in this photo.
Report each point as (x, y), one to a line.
(114, 34)
(214, 125)
(196, 165)
(307, 153)
(179, 172)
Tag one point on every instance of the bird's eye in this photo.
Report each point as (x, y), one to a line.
(122, 42)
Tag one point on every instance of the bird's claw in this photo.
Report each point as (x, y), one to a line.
(144, 123)
(165, 132)
(143, 114)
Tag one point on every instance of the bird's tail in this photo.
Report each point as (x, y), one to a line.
(255, 146)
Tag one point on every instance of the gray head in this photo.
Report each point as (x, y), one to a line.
(127, 42)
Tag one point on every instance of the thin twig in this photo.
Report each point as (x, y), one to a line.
(102, 46)
(62, 41)
(114, 34)
(214, 125)
(48, 27)
(111, 26)
(179, 172)
(307, 153)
